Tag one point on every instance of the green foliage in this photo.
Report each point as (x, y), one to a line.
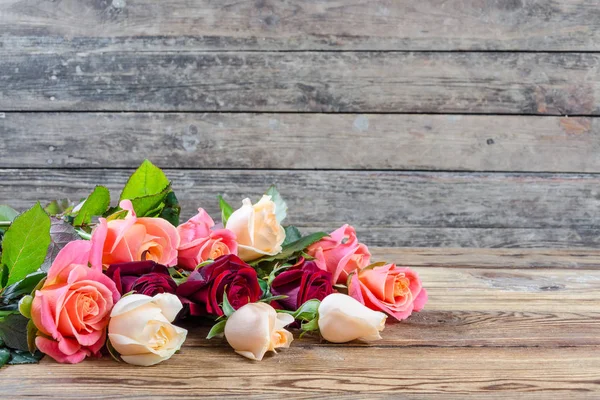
(228, 309)
(7, 214)
(280, 206)
(226, 210)
(13, 293)
(292, 234)
(25, 243)
(13, 331)
(95, 204)
(172, 209)
(59, 207)
(217, 330)
(147, 189)
(292, 249)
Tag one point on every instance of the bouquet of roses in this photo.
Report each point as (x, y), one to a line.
(80, 280)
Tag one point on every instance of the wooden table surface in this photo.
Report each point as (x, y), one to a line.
(499, 324)
(460, 136)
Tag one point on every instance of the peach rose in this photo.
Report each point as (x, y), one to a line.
(391, 289)
(343, 319)
(72, 309)
(136, 239)
(257, 328)
(340, 253)
(257, 230)
(199, 243)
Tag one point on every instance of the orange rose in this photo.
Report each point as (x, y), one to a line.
(136, 239)
(388, 288)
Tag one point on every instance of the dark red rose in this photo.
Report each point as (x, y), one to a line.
(203, 290)
(144, 277)
(302, 282)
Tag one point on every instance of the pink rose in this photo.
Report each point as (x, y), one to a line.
(388, 288)
(136, 239)
(340, 253)
(72, 309)
(199, 243)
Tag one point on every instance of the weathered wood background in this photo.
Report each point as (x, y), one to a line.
(463, 124)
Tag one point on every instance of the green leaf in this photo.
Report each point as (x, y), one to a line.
(25, 357)
(25, 243)
(217, 329)
(152, 204)
(57, 207)
(291, 235)
(280, 206)
(147, 188)
(146, 180)
(14, 292)
(4, 356)
(310, 326)
(307, 311)
(7, 214)
(226, 210)
(292, 248)
(95, 204)
(61, 233)
(228, 310)
(264, 286)
(13, 330)
(3, 275)
(172, 209)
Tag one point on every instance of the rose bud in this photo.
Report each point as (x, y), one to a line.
(143, 277)
(204, 288)
(340, 253)
(199, 242)
(257, 328)
(302, 282)
(388, 288)
(140, 328)
(256, 228)
(343, 319)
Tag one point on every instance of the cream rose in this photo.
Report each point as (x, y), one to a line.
(140, 328)
(343, 318)
(257, 328)
(257, 230)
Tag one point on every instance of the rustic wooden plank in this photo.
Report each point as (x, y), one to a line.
(301, 141)
(504, 258)
(300, 25)
(511, 207)
(508, 83)
(310, 372)
(454, 328)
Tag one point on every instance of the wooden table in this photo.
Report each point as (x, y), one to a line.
(461, 136)
(499, 324)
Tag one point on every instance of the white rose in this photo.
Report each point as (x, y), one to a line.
(140, 328)
(257, 328)
(257, 230)
(343, 318)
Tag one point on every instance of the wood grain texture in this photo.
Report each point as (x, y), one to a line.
(506, 83)
(488, 332)
(505, 259)
(515, 210)
(316, 371)
(301, 141)
(301, 25)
